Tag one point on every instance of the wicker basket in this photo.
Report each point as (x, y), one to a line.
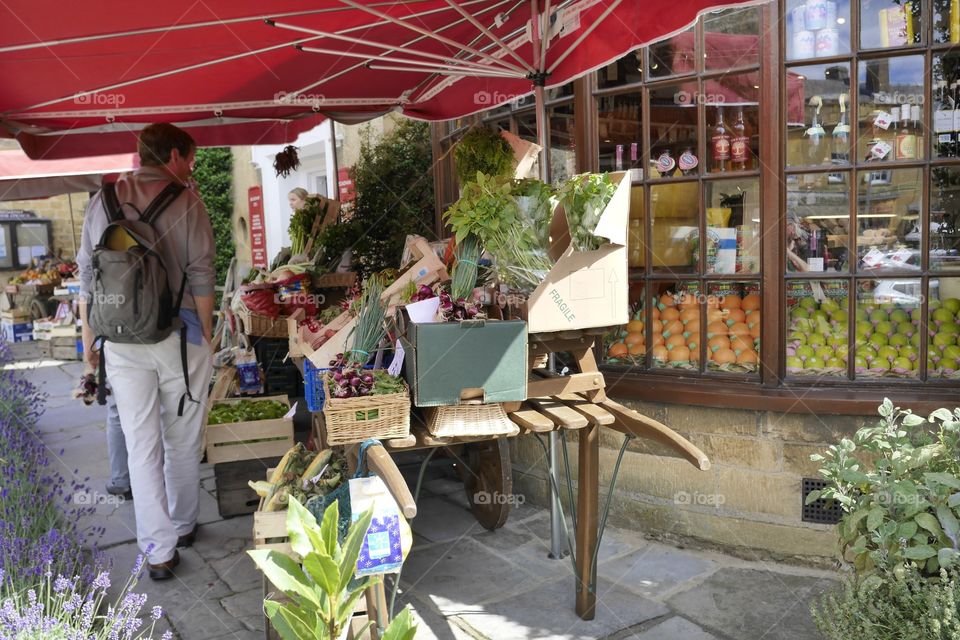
(356, 419)
(253, 324)
(470, 420)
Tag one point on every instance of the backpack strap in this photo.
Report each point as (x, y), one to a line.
(111, 206)
(186, 372)
(163, 200)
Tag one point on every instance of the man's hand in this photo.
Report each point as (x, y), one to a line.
(91, 355)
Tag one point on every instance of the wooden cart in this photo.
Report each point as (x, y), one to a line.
(575, 402)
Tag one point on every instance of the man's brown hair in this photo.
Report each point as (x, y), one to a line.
(159, 139)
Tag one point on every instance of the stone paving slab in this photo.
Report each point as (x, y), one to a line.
(675, 628)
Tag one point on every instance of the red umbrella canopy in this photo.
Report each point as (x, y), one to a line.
(82, 82)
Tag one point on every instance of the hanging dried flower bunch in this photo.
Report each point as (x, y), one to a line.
(286, 162)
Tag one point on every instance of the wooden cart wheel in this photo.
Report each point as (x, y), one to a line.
(488, 481)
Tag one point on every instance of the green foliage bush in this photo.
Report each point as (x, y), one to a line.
(213, 173)
(393, 179)
(482, 150)
(895, 605)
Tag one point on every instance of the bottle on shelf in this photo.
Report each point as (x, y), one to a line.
(943, 117)
(815, 133)
(840, 143)
(917, 120)
(688, 162)
(954, 96)
(740, 145)
(720, 142)
(666, 165)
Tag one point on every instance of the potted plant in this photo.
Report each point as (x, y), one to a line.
(322, 588)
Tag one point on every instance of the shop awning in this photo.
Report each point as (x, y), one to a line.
(22, 178)
(78, 82)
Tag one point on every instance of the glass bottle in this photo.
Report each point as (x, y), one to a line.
(840, 143)
(906, 147)
(943, 117)
(739, 144)
(720, 143)
(815, 133)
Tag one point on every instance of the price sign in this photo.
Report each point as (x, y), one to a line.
(258, 230)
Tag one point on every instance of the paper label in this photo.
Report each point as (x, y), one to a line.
(873, 257)
(815, 264)
(397, 364)
(880, 150)
(943, 120)
(883, 120)
(289, 414)
(901, 255)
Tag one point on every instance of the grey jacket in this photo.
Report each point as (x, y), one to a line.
(186, 238)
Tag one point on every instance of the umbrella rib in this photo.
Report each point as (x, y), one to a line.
(378, 45)
(435, 36)
(583, 36)
(545, 23)
(425, 66)
(485, 31)
(183, 27)
(469, 73)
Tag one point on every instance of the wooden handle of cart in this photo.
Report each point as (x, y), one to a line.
(380, 462)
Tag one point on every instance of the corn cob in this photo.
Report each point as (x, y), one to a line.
(317, 465)
(289, 458)
(262, 487)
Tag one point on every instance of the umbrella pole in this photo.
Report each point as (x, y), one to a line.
(73, 226)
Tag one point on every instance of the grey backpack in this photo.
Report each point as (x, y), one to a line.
(131, 298)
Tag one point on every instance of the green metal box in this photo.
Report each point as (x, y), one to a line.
(447, 363)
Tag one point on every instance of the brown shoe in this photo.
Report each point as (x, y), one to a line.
(164, 570)
(187, 539)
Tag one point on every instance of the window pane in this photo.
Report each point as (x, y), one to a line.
(946, 21)
(945, 219)
(817, 28)
(891, 99)
(673, 130)
(887, 329)
(636, 247)
(888, 220)
(817, 327)
(889, 23)
(733, 326)
(627, 344)
(943, 352)
(527, 130)
(733, 226)
(818, 222)
(733, 117)
(673, 56)
(731, 38)
(675, 209)
(818, 115)
(675, 325)
(944, 94)
(619, 127)
(626, 70)
(563, 154)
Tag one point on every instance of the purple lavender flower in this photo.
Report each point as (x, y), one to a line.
(61, 584)
(156, 613)
(167, 635)
(102, 581)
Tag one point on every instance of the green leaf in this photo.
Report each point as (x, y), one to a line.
(913, 420)
(949, 523)
(886, 409)
(352, 546)
(875, 518)
(947, 556)
(919, 553)
(324, 572)
(941, 414)
(328, 528)
(954, 500)
(907, 529)
(812, 497)
(943, 478)
(284, 573)
(402, 627)
(302, 528)
(288, 624)
(348, 604)
(929, 522)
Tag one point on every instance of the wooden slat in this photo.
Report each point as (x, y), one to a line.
(596, 414)
(631, 422)
(405, 442)
(529, 418)
(382, 464)
(562, 415)
(541, 387)
(588, 364)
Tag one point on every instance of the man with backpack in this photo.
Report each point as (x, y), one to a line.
(147, 291)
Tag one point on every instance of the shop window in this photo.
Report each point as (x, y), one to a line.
(944, 115)
(731, 38)
(943, 328)
(732, 332)
(732, 116)
(619, 125)
(817, 328)
(673, 130)
(944, 219)
(946, 21)
(627, 70)
(890, 23)
(733, 226)
(673, 56)
(817, 223)
(890, 112)
(817, 28)
(888, 221)
(818, 115)
(675, 213)
(888, 330)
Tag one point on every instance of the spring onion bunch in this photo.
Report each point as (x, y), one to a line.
(369, 330)
(465, 273)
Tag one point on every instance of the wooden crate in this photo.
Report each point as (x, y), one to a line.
(249, 440)
(234, 495)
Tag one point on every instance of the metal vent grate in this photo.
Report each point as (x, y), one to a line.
(820, 511)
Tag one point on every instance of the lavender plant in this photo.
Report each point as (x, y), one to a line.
(38, 520)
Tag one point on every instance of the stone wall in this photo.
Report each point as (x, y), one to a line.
(245, 175)
(749, 501)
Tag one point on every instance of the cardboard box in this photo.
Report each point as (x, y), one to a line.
(249, 440)
(15, 315)
(16, 332)
(586, 289)
(447, 363)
